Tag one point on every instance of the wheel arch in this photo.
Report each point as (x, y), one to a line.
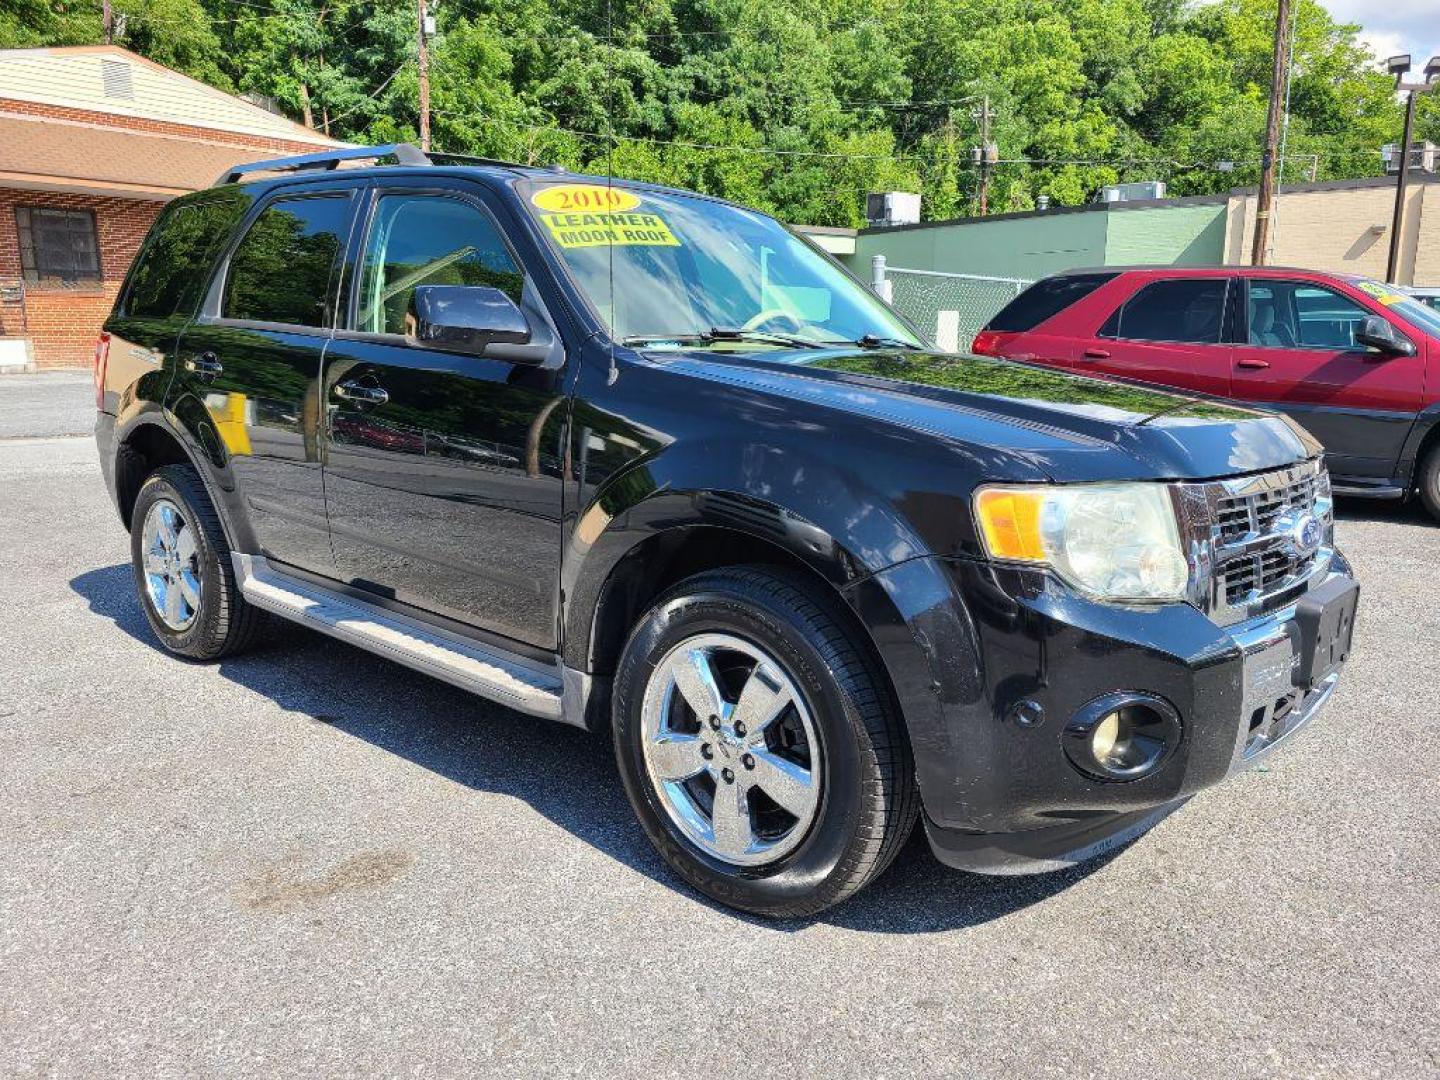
(147, 446)
(1424, 439)
(607, 604)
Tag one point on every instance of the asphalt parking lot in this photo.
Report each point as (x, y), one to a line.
(307, 859)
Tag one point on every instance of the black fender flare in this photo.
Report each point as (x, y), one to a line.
(191, 428)
(1427, 424)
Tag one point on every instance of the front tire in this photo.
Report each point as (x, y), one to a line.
(1428, 476)
(183, 571)
(759, 744)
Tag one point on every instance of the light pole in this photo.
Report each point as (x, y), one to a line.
(1399, 66)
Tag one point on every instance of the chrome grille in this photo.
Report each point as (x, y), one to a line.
(1257, 512)
(1242, 532)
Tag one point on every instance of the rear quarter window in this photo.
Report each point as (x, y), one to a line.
(1046, 299)
(171, 272)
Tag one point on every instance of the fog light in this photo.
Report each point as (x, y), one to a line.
(1122, 736)
(1105, 736)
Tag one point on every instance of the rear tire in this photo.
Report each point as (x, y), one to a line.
(1428, 478)
(804, 806)
(183, 571)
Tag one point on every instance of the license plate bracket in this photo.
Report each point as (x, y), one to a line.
(1325, 618)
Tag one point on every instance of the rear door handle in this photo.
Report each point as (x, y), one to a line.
(205, 367)
(1095, 354)
(1253, 363)
(368, 395)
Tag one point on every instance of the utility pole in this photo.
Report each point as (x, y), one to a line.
(984, 155)
(1397, 221)
(423, 30)
(1265, 197)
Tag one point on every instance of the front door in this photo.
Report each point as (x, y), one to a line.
(250, 367)
(443, 474)
(1301, 357)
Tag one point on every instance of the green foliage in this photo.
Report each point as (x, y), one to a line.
(797, 106)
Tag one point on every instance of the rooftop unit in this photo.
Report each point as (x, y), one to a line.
(1144, 189)
(892, 208)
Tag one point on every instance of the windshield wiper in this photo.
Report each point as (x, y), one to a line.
(688, 338)
(765, 337)
(730, 333)
(875, 341)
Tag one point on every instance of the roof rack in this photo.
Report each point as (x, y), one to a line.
(403, 153)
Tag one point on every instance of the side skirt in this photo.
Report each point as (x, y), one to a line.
(517, 682)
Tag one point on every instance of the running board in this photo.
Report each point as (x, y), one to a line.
(492, 673)
(1364, 491)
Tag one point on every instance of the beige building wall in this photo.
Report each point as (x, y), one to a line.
(1344, 229)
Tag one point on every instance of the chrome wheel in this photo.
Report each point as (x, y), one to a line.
(172, 574)
(731, 749)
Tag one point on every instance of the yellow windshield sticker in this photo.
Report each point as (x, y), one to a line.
(585, 198)
(1381, 293)
(603, 230)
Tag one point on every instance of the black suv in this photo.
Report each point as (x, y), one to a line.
(641, 460)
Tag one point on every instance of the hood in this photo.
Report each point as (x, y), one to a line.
(1062, 423)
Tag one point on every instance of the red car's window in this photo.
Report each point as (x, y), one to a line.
(1045, 299)
(1189, 310)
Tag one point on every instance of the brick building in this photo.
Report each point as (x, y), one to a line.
(93, 141)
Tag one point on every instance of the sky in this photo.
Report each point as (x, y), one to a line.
(1394, 26)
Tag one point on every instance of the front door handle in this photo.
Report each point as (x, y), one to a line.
(360, 392)
(206, 366)
(1095, 354)
(1254, 363)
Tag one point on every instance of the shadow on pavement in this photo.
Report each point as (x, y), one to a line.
(1409, 512)
(565, 774)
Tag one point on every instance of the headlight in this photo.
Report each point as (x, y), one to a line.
(1110, 541)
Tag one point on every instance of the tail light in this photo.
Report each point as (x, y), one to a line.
(989, 342)
(102, 361)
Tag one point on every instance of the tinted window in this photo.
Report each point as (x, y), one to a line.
(1044, 299)
(428, 240)
(173, 269)
(1188, 310)
(281, 271)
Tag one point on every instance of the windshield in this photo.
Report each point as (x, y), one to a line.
(689, 270)
(1407, 307)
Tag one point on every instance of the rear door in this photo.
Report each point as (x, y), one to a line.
(1038, 326)
(1170, 331)
(1300, 355)
(163, 291)
(444, 470)
(251, 362)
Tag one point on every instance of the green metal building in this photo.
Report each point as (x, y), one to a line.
(1177, 232)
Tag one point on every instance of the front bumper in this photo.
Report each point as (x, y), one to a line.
(1000, 794)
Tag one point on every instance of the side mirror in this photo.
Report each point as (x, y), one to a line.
(1377, 333)
(466, 318)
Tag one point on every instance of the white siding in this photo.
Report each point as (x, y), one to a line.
(76, 78)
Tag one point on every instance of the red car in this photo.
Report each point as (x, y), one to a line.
(1357, 363)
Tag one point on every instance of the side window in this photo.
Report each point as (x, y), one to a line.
(419, 240)
(1045, 298)
(1292, 314)
(1327, 319)
(1189, 310)
(282, 270)
(170, 274)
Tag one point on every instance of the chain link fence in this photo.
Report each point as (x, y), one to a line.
(949, 308)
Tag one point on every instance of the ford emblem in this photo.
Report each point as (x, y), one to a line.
(1302, 529)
